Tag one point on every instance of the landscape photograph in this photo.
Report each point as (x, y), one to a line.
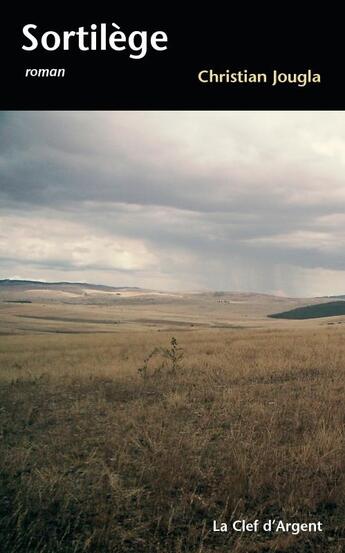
(172, 332)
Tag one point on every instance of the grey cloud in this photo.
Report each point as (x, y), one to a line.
(232, 200)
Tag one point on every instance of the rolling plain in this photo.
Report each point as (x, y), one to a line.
(132, 419)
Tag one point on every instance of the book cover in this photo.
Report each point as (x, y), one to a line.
(172, 288)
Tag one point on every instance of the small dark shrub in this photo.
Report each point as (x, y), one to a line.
(170, 361)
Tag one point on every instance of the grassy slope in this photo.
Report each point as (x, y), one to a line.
(94, 459)
(330, 309)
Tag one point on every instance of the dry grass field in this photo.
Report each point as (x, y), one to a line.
(97, 457)
(25, 309)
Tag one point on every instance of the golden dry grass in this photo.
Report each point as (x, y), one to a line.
(95, 458)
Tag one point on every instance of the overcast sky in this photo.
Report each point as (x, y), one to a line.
(247, 201)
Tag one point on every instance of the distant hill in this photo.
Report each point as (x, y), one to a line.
(34, 291)
(7, 282)
(329, 309)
